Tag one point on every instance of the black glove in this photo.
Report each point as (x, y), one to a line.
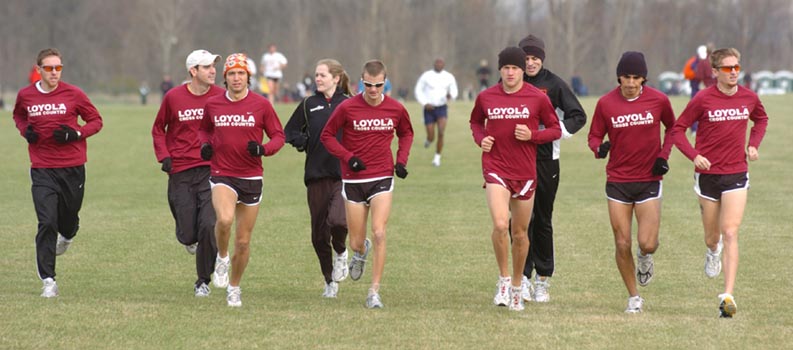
(400, 170)
(255, 149)
(603, 149)
(206, 151)
(31, 135)
(65, 134)
(300, 143)
(356, 164)
(167, 165)
(660, 167)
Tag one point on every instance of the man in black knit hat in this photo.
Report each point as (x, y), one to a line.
(571, 118)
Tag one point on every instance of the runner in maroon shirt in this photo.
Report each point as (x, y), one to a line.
(46, 115)
(505, 124)
(368, 122)
(721, 172)
(176, 145)
(231, 133)
(631, 115)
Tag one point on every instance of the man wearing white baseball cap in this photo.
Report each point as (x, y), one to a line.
(176, 145)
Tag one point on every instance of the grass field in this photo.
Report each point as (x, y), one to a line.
(127, 284)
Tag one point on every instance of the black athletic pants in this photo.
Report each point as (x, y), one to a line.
(540, 256)
(328, 222)
(190, 199)
(57, 197)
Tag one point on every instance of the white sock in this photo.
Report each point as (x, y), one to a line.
(225, 260)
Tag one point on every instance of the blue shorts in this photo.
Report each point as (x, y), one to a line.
(432, 116)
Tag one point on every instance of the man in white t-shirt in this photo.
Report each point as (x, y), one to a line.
(433, 90)
(273, 64)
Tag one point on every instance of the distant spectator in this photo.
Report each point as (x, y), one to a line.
(166, 84)
(704, 71)
(483, 74)
(578, 86)
(273, 64)
(34, 75)
(747, 79)
(144, 92)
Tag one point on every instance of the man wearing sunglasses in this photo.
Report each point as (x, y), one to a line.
(46, 115)
(368, 122)
(176, 145)
(721, 178)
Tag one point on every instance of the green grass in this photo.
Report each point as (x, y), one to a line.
(127, 284)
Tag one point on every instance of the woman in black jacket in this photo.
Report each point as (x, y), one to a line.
(322, 171)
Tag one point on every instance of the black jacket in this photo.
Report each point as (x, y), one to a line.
(309, 119)
(570, 112)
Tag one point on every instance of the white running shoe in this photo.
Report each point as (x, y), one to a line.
(515, 299)
(202, 290)
(340, 268)
(644, 269)
(526, 289)
(62, 245)
(727, 305)
(50, 288)
(373, 300)
(436, 161)
(427, 143)
(359, 261)
(331, 290)
(541, 287)
(713, 260)
(234, 296)
(502, 291)
(221, 275)
(191, 248)
(635, 305)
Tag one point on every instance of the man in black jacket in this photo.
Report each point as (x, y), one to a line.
(572, 118)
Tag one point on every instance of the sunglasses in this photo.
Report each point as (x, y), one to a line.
(728, 69)
(377, 85)
(48, 69)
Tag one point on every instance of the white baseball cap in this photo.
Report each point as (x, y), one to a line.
(201, 58)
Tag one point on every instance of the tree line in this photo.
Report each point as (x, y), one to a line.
(113, 46)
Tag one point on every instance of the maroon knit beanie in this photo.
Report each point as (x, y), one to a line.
(534, 46)
(632, 63)
(512, 55)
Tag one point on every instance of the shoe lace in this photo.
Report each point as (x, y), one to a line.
(234, 295)
(223, 268)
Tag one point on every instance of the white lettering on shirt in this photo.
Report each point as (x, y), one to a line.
(633, 119)
(46, 109)
(720, 115)
(508, 113)
(191, 114)
(234, 120)
(375, 124)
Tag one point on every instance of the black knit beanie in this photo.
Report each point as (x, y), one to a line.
(632, 63)
(534, 46)
(512, 55)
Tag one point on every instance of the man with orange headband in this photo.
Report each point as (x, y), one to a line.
(231, 133)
